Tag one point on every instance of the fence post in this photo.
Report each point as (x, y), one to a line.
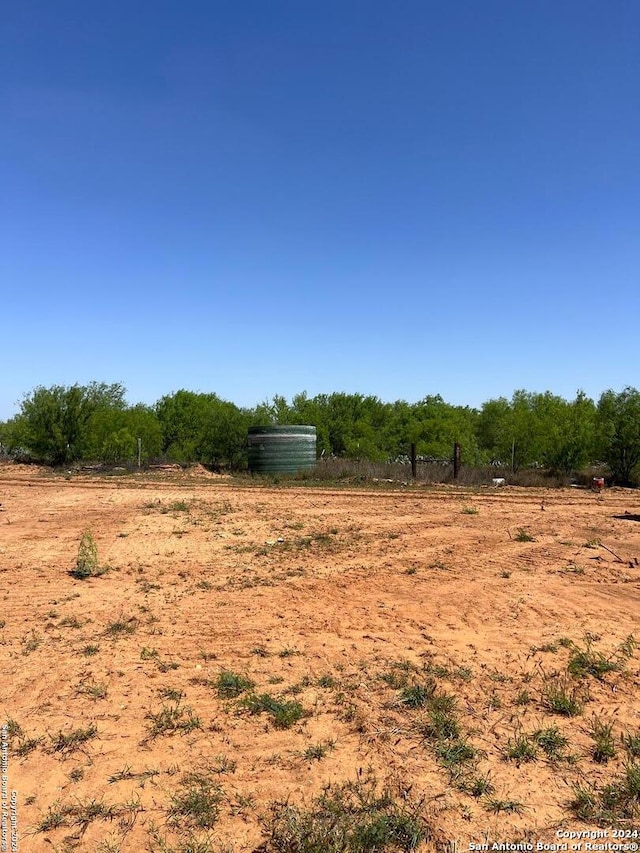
(414, 467)
(456, 460)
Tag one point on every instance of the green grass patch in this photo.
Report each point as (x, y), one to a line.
(171, 719)
(355, 817)
(71, 741)
(229, 685)
(551, 742)
(604, 746)
(283, 714)
(196, 803)
(615, 804)
(520, 748)
(523, 536)
(561, 697)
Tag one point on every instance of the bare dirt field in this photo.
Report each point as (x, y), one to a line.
(464, 658)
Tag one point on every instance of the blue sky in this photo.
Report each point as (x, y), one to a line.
(265, 197)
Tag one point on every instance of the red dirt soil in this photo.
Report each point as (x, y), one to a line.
(328, 597)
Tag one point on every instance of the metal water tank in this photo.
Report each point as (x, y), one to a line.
(281, 449)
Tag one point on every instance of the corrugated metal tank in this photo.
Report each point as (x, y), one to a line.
(281, 449)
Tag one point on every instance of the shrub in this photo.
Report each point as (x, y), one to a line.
(87, 560)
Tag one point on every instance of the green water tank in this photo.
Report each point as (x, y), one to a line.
(282, 449)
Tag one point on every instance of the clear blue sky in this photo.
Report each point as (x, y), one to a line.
(259, 197)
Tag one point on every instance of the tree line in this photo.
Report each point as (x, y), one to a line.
(61, 425)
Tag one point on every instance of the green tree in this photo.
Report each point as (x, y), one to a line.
(52, 424)
(440, 425)
(494, 431)
(313, 412)
(519, 432)
(112, 434)
(571, 434)
(203, 428)
(618, 423)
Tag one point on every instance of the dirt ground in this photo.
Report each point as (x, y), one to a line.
(361, 606)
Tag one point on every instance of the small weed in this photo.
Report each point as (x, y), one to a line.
(592, 543)
(122, 775)
(197, 802)
(89, 651)
(493, 804)
(523, 698)
(617, 803)
(171, 719)
(295, 689)
(318, 751)
(418, 695)
(355, 817)
(572, 569)
(452, 754)
(14, 729)
(54, 818)
(76, 774)
(494, 702)
(523, 536)
(288, 653)
(469, 510)
(631, 744)
(603, 743)
(221, 764)
(499, 677)
(30, 643)
(242, 803)
(230, 686)
(398, 673)
(80, 814)
(328, 682)
(93, 690)
(551, 742)
(68, 743)
(149, 654)
(283, 714)
(584, 804)
(479, 786)
(626, 649)
(192, 842)
(121, 627)
(561, 697)
(551, 648)
(27, 745)
(179, 506)
(171, 694)
(463, 673)
(439, 725)
(520, 748)
(585, 661)
(70, 622)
